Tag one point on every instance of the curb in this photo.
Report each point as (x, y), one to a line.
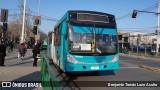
(150, 68)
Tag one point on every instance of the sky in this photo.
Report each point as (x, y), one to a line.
(145, 22)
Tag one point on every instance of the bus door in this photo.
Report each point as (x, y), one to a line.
(63, 47)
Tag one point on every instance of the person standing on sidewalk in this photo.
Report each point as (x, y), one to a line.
(2, 53)
(11, 46)
(22, 50)
(36, 51)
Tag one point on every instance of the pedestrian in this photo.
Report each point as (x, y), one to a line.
(2, 53)
(11, 46)
(36, 51)
(22, 50)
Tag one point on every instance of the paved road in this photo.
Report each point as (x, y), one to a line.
(18, 70)
(13, 60)
(136, 61)
(129, 71)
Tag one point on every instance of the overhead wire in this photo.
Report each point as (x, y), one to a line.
(130, 13)
(42, 16)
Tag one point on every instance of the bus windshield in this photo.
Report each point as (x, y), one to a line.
(91, 43)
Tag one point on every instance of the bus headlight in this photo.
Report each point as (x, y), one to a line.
(71, 59)
(115, 59)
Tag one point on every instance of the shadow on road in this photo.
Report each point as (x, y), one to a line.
(21, 63)
(28, 58)
(70, 80)
(12, 58)
(93, 73)
(27, 81)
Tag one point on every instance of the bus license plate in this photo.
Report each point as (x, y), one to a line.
(94, 67)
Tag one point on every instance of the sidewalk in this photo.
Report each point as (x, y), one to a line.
(18, 70)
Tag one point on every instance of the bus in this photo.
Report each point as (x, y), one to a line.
(85, 41)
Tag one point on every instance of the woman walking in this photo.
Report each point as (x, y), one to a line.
(22, 50)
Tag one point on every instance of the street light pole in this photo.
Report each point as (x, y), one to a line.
(38, 7)
(158, 29)
(24, 11)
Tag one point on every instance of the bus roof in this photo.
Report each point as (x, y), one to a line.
(94, 12)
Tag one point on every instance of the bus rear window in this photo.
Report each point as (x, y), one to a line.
(92, 17)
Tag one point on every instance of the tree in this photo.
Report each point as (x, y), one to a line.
(15, 27)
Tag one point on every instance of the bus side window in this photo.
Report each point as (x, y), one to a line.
(50, 37)
(59, 35)
(55, 37)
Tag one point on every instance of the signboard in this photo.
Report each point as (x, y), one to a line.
(92, 17)
(37, 37)
(37, 20)
(86, 47)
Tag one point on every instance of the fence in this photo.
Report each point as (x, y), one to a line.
(48, 77)
(140, 52)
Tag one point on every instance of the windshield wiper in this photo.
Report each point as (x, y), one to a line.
(98, 50)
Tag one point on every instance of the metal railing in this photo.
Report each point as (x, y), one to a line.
(48, 77)
(140, 52)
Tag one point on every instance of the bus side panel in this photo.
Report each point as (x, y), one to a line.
(53, 49)
(57, 55)
(48, 48)
(63, 52)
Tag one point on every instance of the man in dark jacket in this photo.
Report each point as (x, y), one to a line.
(2, 53)
(36, 51)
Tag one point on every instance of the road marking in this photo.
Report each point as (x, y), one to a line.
(128, 67)
(150, 68)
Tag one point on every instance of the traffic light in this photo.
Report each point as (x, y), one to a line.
(134, 14)
(5, 25)
(4, 15)
(35, 30)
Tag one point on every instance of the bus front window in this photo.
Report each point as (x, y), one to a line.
(106, 43)
(80, 42)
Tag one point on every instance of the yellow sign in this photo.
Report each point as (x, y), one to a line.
(120, 33)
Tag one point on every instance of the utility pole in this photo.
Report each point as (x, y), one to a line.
(24, 13)
(38, 7)
(158, 29)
